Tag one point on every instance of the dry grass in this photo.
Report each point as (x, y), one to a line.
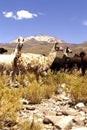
(9, 105)
(34, 92)
(30, 126)
(77, 87)
(10, 97)
(78, 90)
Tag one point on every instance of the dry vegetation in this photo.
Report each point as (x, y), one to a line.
(10, 97)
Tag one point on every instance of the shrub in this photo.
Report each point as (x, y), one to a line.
(31, 126)
(36, 92)
(9, 105)
(78, 90)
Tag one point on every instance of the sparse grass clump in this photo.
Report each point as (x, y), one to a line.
(9, 105)
(78, 90)
(34, 92)
(77, 87)
(31, 126)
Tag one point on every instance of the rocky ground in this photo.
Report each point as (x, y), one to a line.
(56, 113)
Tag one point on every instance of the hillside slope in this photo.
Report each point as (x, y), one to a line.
(43, 44)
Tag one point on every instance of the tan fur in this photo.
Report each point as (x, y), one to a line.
(7, 61)
(36, 63)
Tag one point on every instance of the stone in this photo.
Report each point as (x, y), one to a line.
(65, 123)
(79, 106)
(79, 128)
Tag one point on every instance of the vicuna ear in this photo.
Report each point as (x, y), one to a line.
(23, 40)
(18, 39)
(56, 43)
(56, 46)
(82, 54)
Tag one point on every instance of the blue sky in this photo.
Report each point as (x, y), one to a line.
(64, 19)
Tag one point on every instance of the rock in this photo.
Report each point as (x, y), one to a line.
(79, 128)
(5, 128)
(47, 121)
(63, 85)
(62, 122)
(56, 113)
(69, 111)
(65, 123)
(9, 123)
(59, 113)
(79, 106)
(24, 101)
(30, 108)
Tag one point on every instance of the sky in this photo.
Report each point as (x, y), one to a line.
(63, 19)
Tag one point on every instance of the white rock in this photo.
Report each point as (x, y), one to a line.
(24, 101)
(79, 105)
(80, 128)
(63, 85)
(65, 123)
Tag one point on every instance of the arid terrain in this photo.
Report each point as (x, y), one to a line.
(59, 103)
(43, 47)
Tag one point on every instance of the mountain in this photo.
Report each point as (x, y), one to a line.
(42, 44)
(40, 38)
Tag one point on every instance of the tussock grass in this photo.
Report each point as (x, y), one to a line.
(9, 105)
(34, 92)
(77, 87)
(31, 126)
(78, 90)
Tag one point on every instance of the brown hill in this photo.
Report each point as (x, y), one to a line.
(44, 47)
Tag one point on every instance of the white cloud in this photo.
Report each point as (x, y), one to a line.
(85, 23)
(22, 14)
(8, 14)
(25, 14)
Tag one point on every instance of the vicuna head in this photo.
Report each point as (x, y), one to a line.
(18, 47)
(57, 48)
(82, 54)
(2, 50)
(20, 44)
(68, 50)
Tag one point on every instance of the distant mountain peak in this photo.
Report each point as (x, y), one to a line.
(41, 38)
(45, 38)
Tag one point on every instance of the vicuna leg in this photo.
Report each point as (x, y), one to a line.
(11, 78)
(83, 70)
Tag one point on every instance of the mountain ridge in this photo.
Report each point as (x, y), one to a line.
(40, 38)
(43, 44)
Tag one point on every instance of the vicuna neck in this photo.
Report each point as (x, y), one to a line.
(65, 53)
(52, 56)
